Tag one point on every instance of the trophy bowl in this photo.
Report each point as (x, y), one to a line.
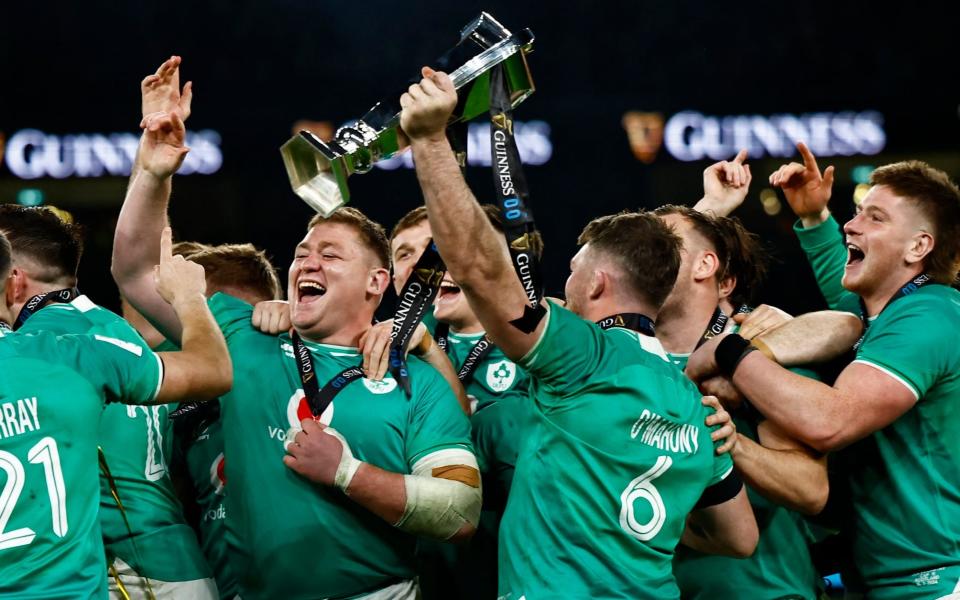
(318, 170)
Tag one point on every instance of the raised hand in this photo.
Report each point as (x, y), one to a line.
(162, 147)
(427, 106)
(160, 92)
(176, 278)
(807, 191)
(725, 185)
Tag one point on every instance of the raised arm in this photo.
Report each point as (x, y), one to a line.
(474, 252)
(136, 242)
(202, 369)
(725, 186)
(808, 193)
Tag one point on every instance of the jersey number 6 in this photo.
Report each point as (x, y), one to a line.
(642, 487)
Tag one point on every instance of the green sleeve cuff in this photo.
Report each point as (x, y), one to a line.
(824, 234)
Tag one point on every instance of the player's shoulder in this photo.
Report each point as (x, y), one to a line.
(937, 304)
(422, 372)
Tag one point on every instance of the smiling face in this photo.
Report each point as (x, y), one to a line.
(882, 243)
(335, 283)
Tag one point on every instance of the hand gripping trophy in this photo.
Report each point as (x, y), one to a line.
(318, 170)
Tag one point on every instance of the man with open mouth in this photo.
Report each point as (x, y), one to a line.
(616, 456)
(893, 410)
(497, 389)
(332, 475)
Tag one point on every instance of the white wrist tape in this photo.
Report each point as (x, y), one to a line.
(348, 464)
(437, 507)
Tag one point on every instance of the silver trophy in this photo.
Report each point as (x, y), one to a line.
(318, 170)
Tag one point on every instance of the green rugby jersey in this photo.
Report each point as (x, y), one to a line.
(781, 565)
(136, 441)
(905, 478)
(615, 458)
(295, 539)
(52, 391)
(498, 393)
(203, 463)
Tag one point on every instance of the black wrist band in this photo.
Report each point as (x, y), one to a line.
(730, 351)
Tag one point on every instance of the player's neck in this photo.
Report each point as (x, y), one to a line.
(466, 326)
(35, 288)
(877, 299)
(347, 336)
(680, 327)
(607, 307)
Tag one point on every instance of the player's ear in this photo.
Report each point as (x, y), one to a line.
(706, 265)
(16, 286)
(727, 286)
(599, 281)
(921, 245)
(378, 281)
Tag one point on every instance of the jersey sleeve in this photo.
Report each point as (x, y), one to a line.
(436, 420)
(911, 343)
(722, 463)
(827, 255)
(567, 353)
(126, 372)
(232, 315)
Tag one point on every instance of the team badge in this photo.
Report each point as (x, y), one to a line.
(500, 375)
(380, 387)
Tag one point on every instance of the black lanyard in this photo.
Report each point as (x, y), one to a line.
(318, 399)
(40, 300)
(910, 287)
(415, 298)
(512, 195)
(476, 356)
(633, 321)
(718, 323)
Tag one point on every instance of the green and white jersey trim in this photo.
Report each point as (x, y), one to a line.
(904, 382)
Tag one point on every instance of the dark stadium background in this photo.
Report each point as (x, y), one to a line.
(258, 67)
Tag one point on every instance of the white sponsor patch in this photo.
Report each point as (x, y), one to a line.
(501, 375)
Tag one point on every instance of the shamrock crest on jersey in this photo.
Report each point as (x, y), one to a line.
(501, 375)
(380, 387)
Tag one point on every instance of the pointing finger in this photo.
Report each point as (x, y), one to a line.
(166, 245)
(808, 159)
